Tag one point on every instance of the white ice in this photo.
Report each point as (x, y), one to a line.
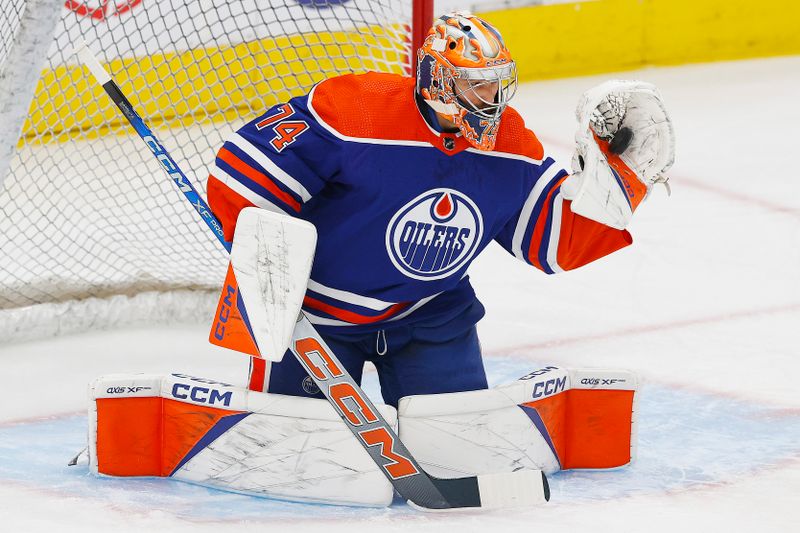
(705, 306)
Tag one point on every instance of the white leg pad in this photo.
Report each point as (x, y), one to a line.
(553, 419)
(231, 438)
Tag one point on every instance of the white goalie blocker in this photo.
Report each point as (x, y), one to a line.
(262, 296)
(625, 143)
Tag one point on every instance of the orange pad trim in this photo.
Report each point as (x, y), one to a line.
(152, 436)
(634, 189)
(129, 436)
(230, 327)
(588, 428)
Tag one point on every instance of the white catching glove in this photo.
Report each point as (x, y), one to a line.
(624, 145)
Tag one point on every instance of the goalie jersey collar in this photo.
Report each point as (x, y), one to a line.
(445, 141)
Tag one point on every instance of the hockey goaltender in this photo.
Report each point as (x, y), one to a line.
(359, 207)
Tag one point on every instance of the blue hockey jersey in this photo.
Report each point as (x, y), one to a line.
(401, 208)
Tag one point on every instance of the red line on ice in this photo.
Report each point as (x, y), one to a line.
(648, 328)
(732, 195)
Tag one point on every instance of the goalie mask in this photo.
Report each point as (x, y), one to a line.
(466, 74)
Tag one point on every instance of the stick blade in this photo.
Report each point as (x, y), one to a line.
(523, 488)
(505, 490)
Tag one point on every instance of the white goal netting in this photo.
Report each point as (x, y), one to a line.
(92, 233)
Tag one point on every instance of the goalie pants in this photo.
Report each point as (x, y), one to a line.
(409, 360)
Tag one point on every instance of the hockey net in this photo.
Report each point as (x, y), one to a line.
(92, 234)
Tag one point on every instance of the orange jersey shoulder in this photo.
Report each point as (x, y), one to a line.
(372, 105)
(382, 106)
(514, 138)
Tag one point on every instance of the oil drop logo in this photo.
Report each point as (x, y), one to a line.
(434, 234)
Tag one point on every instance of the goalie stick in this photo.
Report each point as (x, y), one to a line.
(510, 489)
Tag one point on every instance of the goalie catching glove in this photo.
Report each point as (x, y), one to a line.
(624, 145)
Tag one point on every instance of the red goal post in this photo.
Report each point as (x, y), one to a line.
(76, 193)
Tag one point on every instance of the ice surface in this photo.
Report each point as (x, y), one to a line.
(705, 307)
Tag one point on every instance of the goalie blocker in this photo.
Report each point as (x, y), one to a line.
(298, 449)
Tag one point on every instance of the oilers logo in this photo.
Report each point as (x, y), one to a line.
(434, 234)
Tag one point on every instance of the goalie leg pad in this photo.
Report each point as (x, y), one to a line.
(230, 438)
(552, 419)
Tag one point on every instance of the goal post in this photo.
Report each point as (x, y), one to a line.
(87, 236)
(25, 27)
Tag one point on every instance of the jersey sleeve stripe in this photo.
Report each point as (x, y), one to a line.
(256, 177)
(523, 222)
(269, 166)
(555, 234)
(243, 191)
(541, 214)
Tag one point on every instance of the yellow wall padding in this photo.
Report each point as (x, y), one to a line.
(571, 39)
(203, 85)
(547, 41)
